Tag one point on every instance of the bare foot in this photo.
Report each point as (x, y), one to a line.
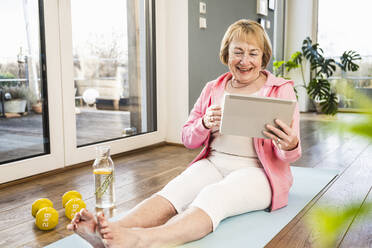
(85, 225)
(115, 235)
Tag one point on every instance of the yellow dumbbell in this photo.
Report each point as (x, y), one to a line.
(39, 204)
(46, 217)
(70, 195)
(73, 203)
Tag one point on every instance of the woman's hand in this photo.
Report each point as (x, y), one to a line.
(212, 117)
(284, 138)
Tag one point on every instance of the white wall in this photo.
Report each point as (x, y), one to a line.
(301, 22)
(172, 63)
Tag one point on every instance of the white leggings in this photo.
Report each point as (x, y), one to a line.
(221, 185)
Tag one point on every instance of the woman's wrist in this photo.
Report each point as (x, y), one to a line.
(294, 148)
(203, 122)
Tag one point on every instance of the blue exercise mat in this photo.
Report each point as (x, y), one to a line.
(254, 229)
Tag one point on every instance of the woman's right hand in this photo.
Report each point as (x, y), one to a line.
(212, 117)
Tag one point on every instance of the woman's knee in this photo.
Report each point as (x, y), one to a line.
(159, 201)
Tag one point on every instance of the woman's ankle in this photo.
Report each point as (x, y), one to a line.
(149, 237)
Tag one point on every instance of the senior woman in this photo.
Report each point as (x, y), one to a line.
(232, 175)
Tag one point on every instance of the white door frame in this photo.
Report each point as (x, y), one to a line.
(61, 105)
(74, 155)
(54, 160)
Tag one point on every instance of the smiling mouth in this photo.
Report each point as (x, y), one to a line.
(243, 70)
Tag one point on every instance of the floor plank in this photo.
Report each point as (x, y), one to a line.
(18, 234)
(351, 186)
(360, 232)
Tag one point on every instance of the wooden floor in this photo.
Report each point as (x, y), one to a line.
(138, 175)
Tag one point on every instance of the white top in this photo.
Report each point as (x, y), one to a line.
(231, 144)
(234, 145)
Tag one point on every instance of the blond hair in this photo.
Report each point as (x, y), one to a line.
(246, 29)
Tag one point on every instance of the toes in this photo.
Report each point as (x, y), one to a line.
(104, 230)
(85, 214)
(108, 242)
(107, 236)
(103, 224)
(73, 224)
(70, 227)
(101, 215)
(76, 218)
(102, 220)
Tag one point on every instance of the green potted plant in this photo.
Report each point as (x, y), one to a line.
(4, 76)
(319, 87)
(15, 99)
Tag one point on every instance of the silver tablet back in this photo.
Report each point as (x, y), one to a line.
(247, 115)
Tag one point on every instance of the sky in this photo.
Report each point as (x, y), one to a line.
(101, 19)
(104, 19)
(345, 25)
(12, 28)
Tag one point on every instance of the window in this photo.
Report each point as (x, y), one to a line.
(344, 26)
(23, 123)
(111, 84)
(100, 66)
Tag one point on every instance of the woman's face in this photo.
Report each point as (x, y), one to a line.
(245, 60)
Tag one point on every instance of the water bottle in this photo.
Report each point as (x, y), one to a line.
(103, 171)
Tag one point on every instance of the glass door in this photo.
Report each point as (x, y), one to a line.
(337, 34)
(109, 77)
(87, 75)
(27, 146)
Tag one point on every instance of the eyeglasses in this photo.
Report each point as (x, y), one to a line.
(241, 55)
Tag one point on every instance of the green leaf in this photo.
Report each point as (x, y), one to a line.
(347, 61)
(329, 105)
(278, 65)
(290, 65)
(324, 66)
(330, 221)
(319, 89)
(312, 52)
(296, 92)
(296, 57)
(362, 129)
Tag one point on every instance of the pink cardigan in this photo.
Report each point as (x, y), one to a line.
(274, 161)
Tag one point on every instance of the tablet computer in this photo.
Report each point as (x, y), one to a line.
(247, 115)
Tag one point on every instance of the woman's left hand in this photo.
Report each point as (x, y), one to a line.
(285, 138)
